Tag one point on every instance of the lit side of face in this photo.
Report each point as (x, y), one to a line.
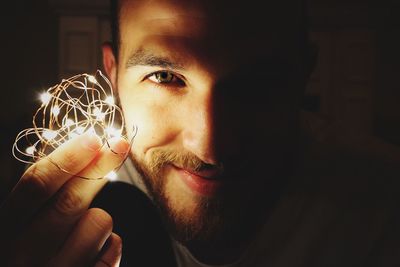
(212, 116)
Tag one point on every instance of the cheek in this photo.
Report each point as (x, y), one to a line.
(155, 121)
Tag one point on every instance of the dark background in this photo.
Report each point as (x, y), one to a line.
(29, 58)
(348, 137)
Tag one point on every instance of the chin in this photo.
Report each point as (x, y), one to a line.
(229, 216)
(196, 220)
(189, 216)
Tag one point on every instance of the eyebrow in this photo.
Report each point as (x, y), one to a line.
(142, 57)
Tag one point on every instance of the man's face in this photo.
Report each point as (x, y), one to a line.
(213, 98)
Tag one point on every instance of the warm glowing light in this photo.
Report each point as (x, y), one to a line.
(45, 98)
(92, 130)
(92, 79)
(112, 176)
(80, 130)
(112, 132)
(69, 123)
(109, 100)
(30, 150)
(49, 134)
(55, 110)
(72, 135)
(80, 104)
(99, 115)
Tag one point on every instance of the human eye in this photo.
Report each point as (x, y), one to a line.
(166, 78)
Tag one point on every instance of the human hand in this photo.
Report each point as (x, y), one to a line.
(45, 221)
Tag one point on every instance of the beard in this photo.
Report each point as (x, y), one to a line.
(203, 220)
(230, 217)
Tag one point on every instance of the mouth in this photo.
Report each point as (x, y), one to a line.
(205, 182)
(209, 174)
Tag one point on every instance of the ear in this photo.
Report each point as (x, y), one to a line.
(110, 64)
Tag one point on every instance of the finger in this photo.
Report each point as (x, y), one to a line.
(45, 177)
(112, 156)
(86, 240)
(111, 252)
(54, 223)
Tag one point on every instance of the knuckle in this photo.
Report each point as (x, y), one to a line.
(69, 202)
(99, 169)
(35, 181)
(100, 219)
(69, 160)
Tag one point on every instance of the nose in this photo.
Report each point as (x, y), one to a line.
(212, 125)
(199, 128)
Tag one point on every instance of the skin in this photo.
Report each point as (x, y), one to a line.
(46, 220)
(230, 111)
(200, 92)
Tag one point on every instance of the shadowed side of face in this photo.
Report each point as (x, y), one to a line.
(213, 87)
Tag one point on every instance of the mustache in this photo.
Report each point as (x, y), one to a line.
(184, 160)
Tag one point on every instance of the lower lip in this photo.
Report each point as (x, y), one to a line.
(199, 184)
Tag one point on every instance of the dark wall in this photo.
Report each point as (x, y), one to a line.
(29, 47)
(387, 112)
(29, 64)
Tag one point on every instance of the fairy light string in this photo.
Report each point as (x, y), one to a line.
(80, 104)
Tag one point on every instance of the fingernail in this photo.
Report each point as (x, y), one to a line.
(91, 141)
(119, 145)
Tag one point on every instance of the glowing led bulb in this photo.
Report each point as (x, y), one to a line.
(45, 98)
(30, 150)
(69, 123)
(92, 79)
(111, 176)
(49, 134)
(82, 104)
(72, 135)
(112, 132)
(99, 115)
(91, 130)
(109, 100)
(80, 130)
(55, 110)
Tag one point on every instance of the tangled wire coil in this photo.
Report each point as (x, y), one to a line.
(77, 105)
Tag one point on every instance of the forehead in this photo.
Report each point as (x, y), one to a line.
(221, 30)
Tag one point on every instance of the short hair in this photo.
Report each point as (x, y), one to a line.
(115, 7)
